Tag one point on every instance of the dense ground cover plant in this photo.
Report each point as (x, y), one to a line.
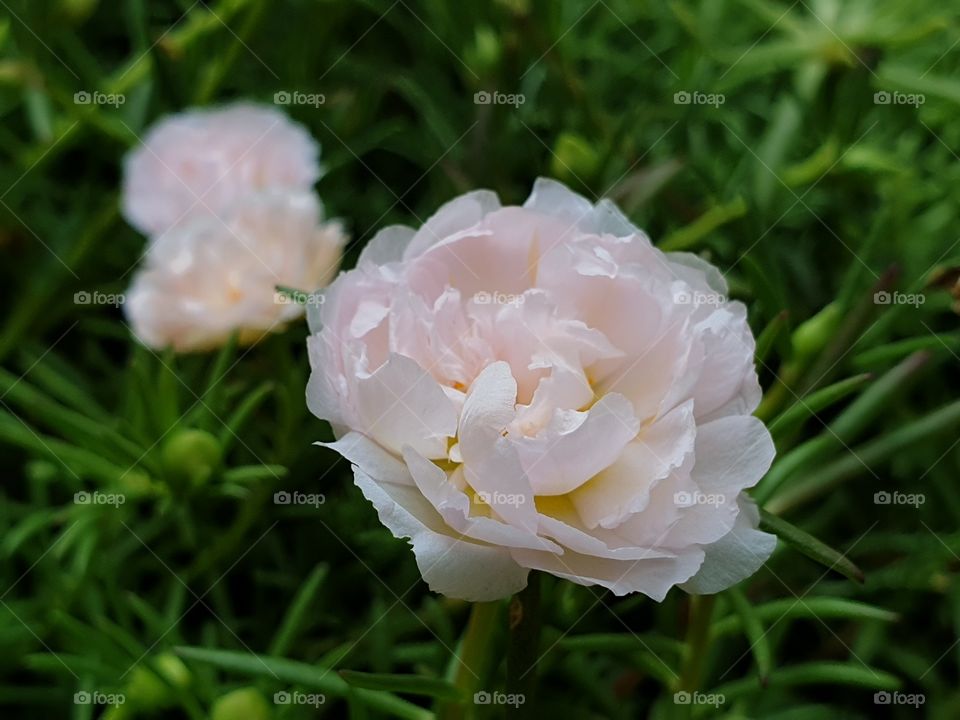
(170, 534)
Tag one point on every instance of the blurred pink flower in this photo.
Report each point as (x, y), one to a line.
(208, 277)
(199, 162)
(538, 387)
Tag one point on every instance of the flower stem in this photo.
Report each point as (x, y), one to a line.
(471, 665)
(523, 651)
(698, 640)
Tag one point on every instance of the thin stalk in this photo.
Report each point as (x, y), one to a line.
(471, 665)
(524, 648)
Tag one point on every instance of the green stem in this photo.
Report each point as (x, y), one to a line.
(524, 649)
(471, 665)
(698, 641)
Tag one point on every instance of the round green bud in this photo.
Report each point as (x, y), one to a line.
(152, 684)
(812, 335)
(190, 457)
(574, 159)
(242, 704)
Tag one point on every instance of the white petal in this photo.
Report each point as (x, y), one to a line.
(459, 214)
(559, 460)
(450, 565)
(653, 577)
(728, 382)
(623, 489)
(736, 556)
(455, 508)
(400, 404)
(554, 198)
(490, 461)
(733, 453)
(371, 458)
(697, 272)
(559, 520)
(387, 246)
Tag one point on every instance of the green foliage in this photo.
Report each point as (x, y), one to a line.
(142, 550)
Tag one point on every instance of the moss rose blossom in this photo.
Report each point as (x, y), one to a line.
(539, 387)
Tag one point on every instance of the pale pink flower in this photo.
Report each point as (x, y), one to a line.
(538, 387)
(199, 162)
(209, 277)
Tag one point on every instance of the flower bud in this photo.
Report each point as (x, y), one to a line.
(245, 703)
(812, 335)
(190, 457)
(147, 690)
(574, 159)
(484, 54)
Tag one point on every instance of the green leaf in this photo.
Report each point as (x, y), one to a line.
(244, 411)
(823, 608)
(791, 418)
(754, 630)
(845, 428)
(254, 473)
(810, 546)
(863, 457)
(297, 673)
(815, 673)
(689, 235)
(412, 684)
(295, 619)
(769, 336)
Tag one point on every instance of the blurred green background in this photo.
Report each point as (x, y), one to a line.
(808, 148)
